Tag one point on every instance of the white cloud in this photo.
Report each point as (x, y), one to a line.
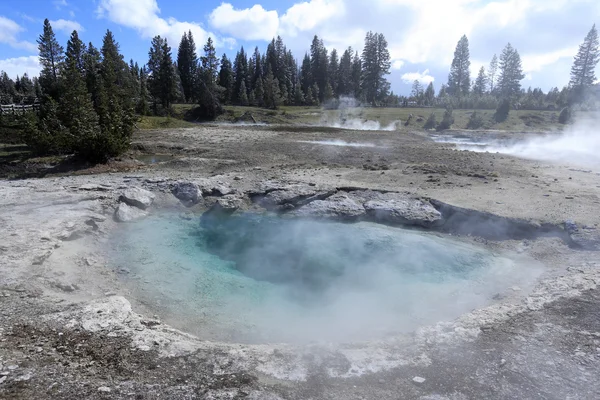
(397, 64)
(422, 77)
(20, 65)
(306, 16)
(9, 30)
(254, 23)
(60, 4)
(536, 62)
(143, 16)
(66, 26)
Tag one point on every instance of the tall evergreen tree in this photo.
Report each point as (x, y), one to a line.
(492, 74)
(511, 72)
(344, 75)
(459, 80)
(51, 57)
(210, 62)
(258, 72)
(226, 80)
(356, 76)
(115, 111)
(75, 109)
(168, 77)
(272, 95)
(417, 90)
(306, 79)
(375, 65)
(319, 63)
(429, 94)
(187, 65)
(91, 66)
(334, 66)
(584, 64)
(240, 71)
(480, 85)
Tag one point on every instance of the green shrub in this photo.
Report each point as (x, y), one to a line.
(502, 111)
(565, 116)
(447, 120)
(431, 122)
(475, 121)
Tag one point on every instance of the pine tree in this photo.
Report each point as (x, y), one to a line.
(429, 94)
(480, 82)
(511, 72)
(319, 63)
(187, 65)
(417, 90)
(584, 64)
(257, 73)
(226, 80)
(51, 57)
(356, 76)
(375, 65)
(272, 94)
(243, 95)
(240, 71)
(91, 67)
(459, 80)
(167, 77)
(259, 93)
(306, 79)
(493, 70)
(142, 106)
(210, 62)
(344, 75)
(115, 111)
(298, 95)
(155, 58)
(75, 108)
(334, 66)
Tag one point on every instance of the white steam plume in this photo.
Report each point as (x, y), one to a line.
(578, 145)
(348, 116)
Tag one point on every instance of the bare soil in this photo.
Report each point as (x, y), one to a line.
(65, 335)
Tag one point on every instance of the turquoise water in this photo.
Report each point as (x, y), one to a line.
(264, 278)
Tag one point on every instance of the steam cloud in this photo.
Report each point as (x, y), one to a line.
(578, 145)
(348, 116)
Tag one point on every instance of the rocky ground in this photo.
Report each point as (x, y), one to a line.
(71, 328)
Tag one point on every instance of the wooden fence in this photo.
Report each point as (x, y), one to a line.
(17, 109)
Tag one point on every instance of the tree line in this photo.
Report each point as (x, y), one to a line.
(502, 81)
(89, 96)
(268, 79)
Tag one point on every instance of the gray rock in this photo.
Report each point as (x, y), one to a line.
(95, 187)
(585, 237)
(400, 209)
(188, 193)
(290, 196)
(418, 379)
(104, 389)
(338, 206)
(137, 197)
(230, 202)
(125, 213)
(216, 189)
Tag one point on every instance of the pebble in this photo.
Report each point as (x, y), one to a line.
(104, 389)
(418, 379)
(12, 367)
(2, 380)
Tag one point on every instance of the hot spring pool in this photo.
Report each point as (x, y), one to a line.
(259, 278)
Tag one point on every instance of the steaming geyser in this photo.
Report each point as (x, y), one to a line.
(257, 278)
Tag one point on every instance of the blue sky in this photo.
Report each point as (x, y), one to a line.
(422, 34)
